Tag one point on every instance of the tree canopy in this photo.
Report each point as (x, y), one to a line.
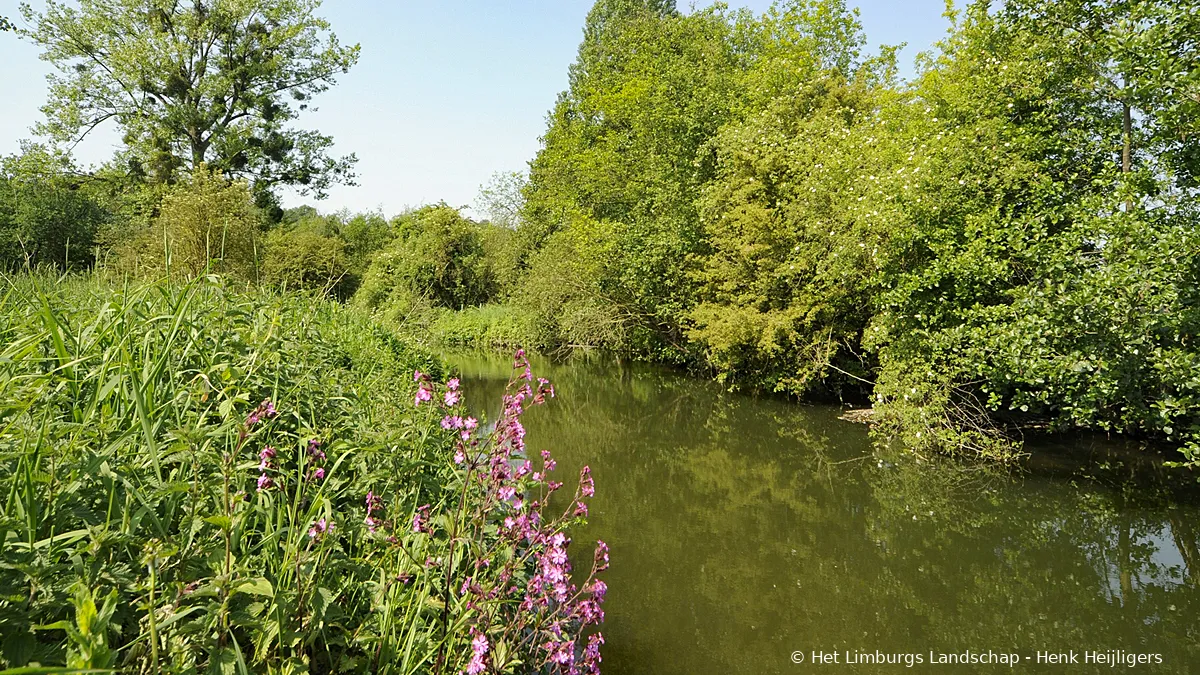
(213, 82)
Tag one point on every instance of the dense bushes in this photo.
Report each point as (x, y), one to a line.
(1008, 238)
(202, 225)
(201, 480)
(436, 260)
(48, 216)
(305, 260)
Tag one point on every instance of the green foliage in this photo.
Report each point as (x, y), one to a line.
(790, 274)
(326, 529)
(493, 326)
(205, 82)
(301, 259)
(121, 455)
(622, 158)
(205, 225)
(436, 260)
(48, 216)
(1009, 239)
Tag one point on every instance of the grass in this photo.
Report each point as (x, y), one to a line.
(195, 479)
(132, 534)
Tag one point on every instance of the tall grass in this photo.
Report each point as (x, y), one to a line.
(195, 479)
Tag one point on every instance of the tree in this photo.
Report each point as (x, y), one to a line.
(48, 216)
(502, 198)
(6, 25)
(213, 82)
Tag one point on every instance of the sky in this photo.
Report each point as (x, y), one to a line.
(445, 93)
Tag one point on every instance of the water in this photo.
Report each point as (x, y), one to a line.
(744, 529)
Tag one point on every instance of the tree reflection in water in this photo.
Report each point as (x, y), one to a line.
(745, 528)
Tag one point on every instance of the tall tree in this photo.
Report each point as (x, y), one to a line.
(213, 82)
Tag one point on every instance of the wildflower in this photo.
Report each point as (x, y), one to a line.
(320, 528)
(314, 449)
(373, 502)
(591, 654)
(318, 474)
(423, 394)
(450, 398)
(452, 384)
(419, 523)
(581, 510)
(601, 556)
(264, 482)
(459, 457)
(586, 486)
(470, 423)
(418, 376)
(265, 456)
(479, 649)
(265, 409)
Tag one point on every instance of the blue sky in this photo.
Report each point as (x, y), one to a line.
(446, 92)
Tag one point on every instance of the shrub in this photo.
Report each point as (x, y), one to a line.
(304, 260)
(205, 224)
(46, 218)
(437, 260)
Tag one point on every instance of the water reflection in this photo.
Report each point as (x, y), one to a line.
(744, 529)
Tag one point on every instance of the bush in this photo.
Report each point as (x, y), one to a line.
(47, 216)
(487, 327)
(437, 260)
(304, 260)
(204, 225)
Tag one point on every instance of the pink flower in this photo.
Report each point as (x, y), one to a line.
(318, 474)
(320, 528)
(470, 423)
(417, 376)
(264, 482)
(479, 649)
(419, 519)
(451, 398)
(452, 384)
(423, 394)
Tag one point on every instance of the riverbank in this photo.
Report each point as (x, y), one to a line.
(748, 527)
(202, 476)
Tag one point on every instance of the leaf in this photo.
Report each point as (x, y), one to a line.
(256, 586)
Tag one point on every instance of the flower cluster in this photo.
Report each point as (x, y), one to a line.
(265, 410)
(315, 455)
(518, 582)
(264, 464)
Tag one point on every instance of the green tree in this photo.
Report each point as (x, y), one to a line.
(623, 157)
(210, 82)
(789, 278)
(436, 260)
(1038, 267)
(48, 214)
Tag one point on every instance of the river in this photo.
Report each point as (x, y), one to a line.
(746, 530)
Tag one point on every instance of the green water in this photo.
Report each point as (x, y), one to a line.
(745, 529)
